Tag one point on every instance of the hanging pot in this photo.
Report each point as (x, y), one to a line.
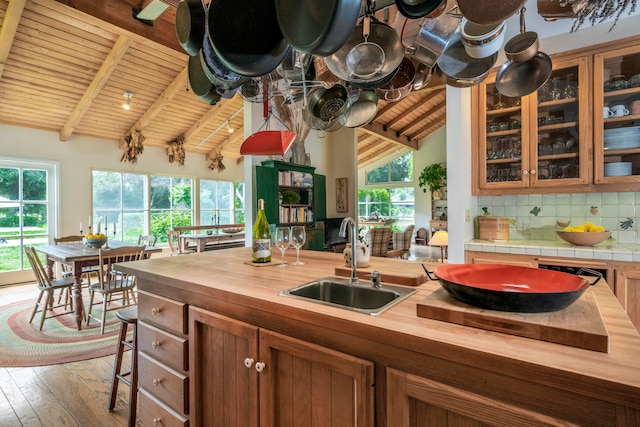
(245, 35)
(380, 34)
(489, 11)
(328, 104)
(523, 46)
(400, 85)
(190, 17)
(456, 68)
(416, 9)
(423, 76)
(516, 79)
(433, 38)
(317, 27)
(362, 110)
(325, 125)
(201, 86)
(216, 71)
(481, 41)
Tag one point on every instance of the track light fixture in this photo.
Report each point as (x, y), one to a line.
(229, 128)
(127, 102)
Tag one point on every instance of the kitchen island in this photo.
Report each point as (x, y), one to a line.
(242, 355)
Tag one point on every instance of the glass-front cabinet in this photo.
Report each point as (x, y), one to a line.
(616, 120)
(539, 140)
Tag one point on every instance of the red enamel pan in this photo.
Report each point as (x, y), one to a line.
(511, 288)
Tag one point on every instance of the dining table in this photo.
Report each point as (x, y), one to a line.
(220, 239)
(78, 256)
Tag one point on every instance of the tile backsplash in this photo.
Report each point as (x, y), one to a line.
(539, 216)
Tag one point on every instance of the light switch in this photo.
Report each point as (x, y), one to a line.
(467, 215)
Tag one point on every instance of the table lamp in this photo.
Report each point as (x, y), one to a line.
(440, 238)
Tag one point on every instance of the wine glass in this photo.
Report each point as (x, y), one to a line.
(298, 237)
(282, 242)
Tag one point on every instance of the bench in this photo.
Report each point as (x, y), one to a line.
(219, 240)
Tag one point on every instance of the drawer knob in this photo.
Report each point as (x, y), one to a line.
(155, 311)
(157, 421)
(532, 171)
(525, 172)
(156, 381)
(260, 366)
(248, 362)
(155, 344)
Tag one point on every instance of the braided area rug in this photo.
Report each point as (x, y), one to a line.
(23, 345)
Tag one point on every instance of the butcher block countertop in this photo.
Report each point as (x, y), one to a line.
(225, 282)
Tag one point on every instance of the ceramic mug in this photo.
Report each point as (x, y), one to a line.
(606, 112)
(619, 110)
(635, 107)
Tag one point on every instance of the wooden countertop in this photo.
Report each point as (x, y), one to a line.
(222, 281)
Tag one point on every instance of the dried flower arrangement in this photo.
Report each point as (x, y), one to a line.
(214, 160)
(598, 11)
(132, 145)
(175, 151)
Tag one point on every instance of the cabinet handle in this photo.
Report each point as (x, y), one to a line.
(157, 421)
(248, 362)
(156, 381)
(260, 366)
(525, 172)
(155, 344)
(155, 311)
(532, 171)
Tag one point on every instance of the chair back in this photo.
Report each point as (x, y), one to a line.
(407, 236)
(111, 278)
(173, 237)
(67, 240)
(147, 240)
(421, 236)
(380, 241)
(38, 268)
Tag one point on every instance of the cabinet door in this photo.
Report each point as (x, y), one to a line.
(616, 91)
(309, 385)
(319, 197)
(223, 388)
(627, 290)
(416, 401)
(267, 189)
(559, 126)
(501, 146)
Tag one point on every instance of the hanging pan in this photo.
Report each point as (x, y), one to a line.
(190, 17)
(201, 86)
(523, 46)
(456, 68)
(362, 110)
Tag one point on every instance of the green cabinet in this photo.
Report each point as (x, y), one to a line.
(293, 194)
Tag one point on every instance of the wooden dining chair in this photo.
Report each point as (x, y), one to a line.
(147, 240)
(47, 287)
(173, 237)
(114, 284)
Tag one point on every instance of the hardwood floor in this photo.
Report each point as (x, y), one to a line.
(70, 394)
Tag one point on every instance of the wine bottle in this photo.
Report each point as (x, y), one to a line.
(261, 236)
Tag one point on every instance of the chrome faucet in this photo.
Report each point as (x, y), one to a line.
(354, 236)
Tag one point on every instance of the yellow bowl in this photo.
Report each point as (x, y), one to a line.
(95, 243)
(584, 238)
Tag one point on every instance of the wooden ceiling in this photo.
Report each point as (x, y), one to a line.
(65, 66)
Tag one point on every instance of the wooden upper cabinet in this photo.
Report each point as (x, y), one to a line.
(541, 140)
(616, 86)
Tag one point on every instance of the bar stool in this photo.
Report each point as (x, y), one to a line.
(127, 316)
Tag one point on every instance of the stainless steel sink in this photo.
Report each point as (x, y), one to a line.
(363, 297)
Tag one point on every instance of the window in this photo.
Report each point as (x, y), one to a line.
(26, 213)
(127, 205)
(397, 170)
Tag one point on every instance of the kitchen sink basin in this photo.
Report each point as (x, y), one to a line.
(363, 297)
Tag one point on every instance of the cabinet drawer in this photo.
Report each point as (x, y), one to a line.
(153, 412)
(163, 313)
(169, 386)
(163, 346)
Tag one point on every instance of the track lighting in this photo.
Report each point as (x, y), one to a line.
(229, 128)
(127, 102)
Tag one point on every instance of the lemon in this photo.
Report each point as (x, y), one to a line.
(597, 229)
(90, 236)
(579, 228)
(588, 226)
(568, 229)
(101, 236)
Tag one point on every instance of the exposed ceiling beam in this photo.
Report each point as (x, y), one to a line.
(9, 28)
(165, 98)
(120, 14)
(99, 80)
(390, 135)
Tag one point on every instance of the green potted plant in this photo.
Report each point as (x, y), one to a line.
(433, 176)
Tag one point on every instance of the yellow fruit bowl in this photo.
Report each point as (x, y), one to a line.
(585, 238)
(95, 243)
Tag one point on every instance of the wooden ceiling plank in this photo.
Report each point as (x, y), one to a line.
(100, 79)
(165, 98)
(421, 118)
(389, 135)
(432, 127)
(9, 29)
(203, 121)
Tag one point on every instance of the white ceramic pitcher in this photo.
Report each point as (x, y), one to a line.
(362, 256)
